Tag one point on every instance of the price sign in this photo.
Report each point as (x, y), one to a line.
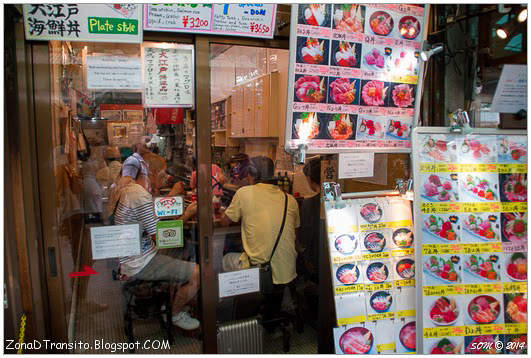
(375, 256)
(378, 286)
(515, 328)
(443, 290)
(515, 287)
(381, 316)
(386, 347)
(351, 320)
(348, 289)
(513, 207)
(405, 283)
(406, 313)
(403, 252)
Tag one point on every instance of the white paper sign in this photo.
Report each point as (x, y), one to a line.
(250, 20)
(168, 206)
(356, 165)
(115, 241)
(169, 76)
(511, 92)
(114, 72)
(84, 22)
(239, 282)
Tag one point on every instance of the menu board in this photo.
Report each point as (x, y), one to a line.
(471, 220)
(373, 273)
(250, 20)
(168, 75)
(354, 75)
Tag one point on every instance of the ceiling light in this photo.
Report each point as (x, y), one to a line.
(522, 15)
(425, 55)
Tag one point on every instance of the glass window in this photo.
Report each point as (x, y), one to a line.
(112, 157)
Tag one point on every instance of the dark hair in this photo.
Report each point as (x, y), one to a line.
(261, 168)
(312, 169)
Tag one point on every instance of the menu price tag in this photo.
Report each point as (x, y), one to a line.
(381, 316)
(379, 286)
(512, 168)
(515, 328)
(442, 208)
(513, 207)
(386, 347)
(351, 320)
(403, 252)
(437, 332)
(368, 227)
(405, 283)
(406, 313)
(482, 248)
(375, 256)
(345, 259)
(443, 290)
(348, 289)
(515, 287)
(441, 249)
(475, 289)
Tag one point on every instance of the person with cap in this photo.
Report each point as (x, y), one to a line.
(260, 209)
(133, 204)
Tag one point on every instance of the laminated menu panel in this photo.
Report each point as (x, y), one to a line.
(471, 232)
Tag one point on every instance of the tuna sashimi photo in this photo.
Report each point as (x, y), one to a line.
(313, 52)
(345, 55)
(349, 17)
(343, 91)
(373, 93)
(403, 95)
(310, 89)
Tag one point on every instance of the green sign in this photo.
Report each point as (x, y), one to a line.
(169, 234)
(112, 25)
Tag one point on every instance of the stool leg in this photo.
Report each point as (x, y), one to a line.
(169, 321)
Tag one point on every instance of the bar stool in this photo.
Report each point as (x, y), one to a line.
(144, 300)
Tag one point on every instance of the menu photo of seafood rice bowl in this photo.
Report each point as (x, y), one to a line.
(514, 227)
(441, 228)
(312, 51)
(340, 127)
(306, 125)
(479, 187)
(442, 268)
(440, 188)
(482, 267)
(477, 149)
(481, 227)
(483, 309)
(346, 54)
(371, 211)
(310, 89)
(443, 311)
(407, 335)
(314, 14)
(512, 149)
(349, 17)
(355, 340)
(438, 149)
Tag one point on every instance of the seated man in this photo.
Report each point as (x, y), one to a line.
(134, 204)
(260, 209)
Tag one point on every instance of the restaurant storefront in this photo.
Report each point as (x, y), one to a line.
(185, 110)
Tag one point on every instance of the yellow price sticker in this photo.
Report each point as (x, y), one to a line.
(400, 223)
(351, 320)
(441, 249)
(347, 289)
(378, 286)
(472, 330)
(405, 283)
(474, 289)
(403, 252)
(512, 168)
(437, 332)
(406, 313)
(515, 287)
(443, 290)
(515, 328)
(367, 227)
(380, 316)
(331, 229)
(341, 260)
(514, 207)
(386, 347)
(457, 331)
(376, 255)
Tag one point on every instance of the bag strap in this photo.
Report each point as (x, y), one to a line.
(281, 226)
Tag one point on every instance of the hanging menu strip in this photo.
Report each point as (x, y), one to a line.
(443, 208)
(469, 289)
(462, 168)
(508, 328)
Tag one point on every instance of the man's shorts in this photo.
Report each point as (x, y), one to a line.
(165, 268)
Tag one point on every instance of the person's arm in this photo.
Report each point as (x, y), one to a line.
(233, 213)
(189, 213)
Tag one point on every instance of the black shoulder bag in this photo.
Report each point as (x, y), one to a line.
(266, 274)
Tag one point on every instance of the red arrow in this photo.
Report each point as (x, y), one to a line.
(88, 272)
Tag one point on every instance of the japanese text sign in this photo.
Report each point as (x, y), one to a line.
(84, 22)
(251, 20)
(168, 75)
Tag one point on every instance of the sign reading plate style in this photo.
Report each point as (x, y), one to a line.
(84, 22)
(168, 75)
(355, 76)
(251, 20)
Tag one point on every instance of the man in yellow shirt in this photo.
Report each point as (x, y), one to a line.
(260, 209)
